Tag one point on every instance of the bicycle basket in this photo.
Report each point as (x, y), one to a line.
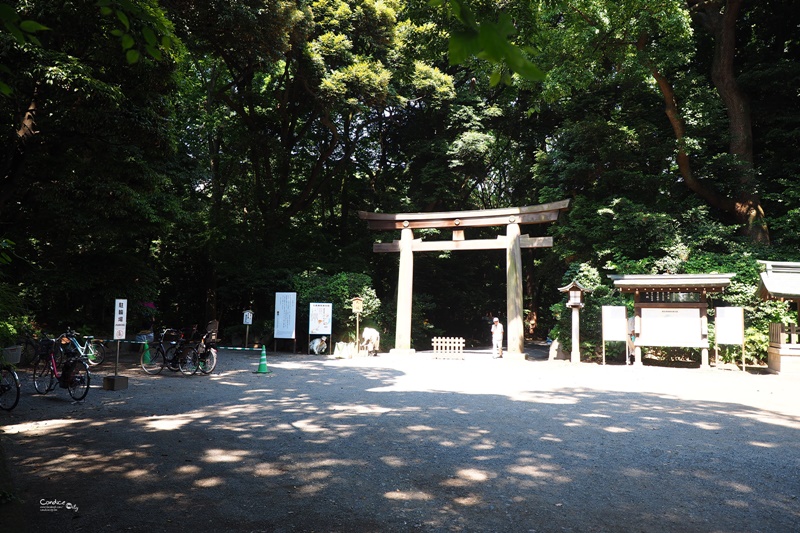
(171, 335)
(44, 347)
(68, 347)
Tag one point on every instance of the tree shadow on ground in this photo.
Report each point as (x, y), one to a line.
(321, 446)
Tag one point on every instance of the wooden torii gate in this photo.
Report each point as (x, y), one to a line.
(512, 242)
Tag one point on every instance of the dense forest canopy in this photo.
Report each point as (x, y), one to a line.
(204, 155)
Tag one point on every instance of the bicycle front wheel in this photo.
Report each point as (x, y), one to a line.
(188, 361)
(78, 385)
(152, 360)
(95, 353)
(9, 388)
(208, 360)
(43, 379)
(172, 356)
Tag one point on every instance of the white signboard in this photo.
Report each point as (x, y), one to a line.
(730, 325)
(320, 319)
(615, 323)
(120, 318)
(248, 318)
(285, 314)
(663, 326)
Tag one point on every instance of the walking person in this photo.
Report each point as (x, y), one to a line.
(497, 339)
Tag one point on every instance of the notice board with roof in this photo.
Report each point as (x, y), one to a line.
(671, 309)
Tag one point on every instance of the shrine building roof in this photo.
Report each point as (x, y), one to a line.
(780, 280)
(702, 283)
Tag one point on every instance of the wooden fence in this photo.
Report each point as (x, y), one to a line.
(780, 334)
(448, 347)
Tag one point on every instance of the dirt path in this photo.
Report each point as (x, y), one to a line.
(410, 444)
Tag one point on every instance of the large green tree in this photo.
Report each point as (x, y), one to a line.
(657, 39)
(85, 144)
(207, 168)
(287, 131)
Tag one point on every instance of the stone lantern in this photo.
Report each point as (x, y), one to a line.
(576, 292)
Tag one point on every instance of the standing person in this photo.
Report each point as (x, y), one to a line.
(497, 338)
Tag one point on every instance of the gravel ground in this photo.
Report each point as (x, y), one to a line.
(409, 443)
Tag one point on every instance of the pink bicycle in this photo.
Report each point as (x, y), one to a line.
(55, 366)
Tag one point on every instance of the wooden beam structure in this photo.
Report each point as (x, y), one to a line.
(513, 241)
(536, 214)
(500, 243)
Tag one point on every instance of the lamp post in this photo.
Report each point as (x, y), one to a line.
(576, 291)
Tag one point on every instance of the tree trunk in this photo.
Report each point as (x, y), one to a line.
(26, 131)
(719, 18)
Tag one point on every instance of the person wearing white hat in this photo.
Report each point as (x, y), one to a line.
(497, 339)
(318, 346)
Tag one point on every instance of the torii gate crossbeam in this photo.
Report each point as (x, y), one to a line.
(512, 242)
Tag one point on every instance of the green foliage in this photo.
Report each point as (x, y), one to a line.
(141, 25)
(8, 333)
(15, 325)
(360, 83)
(489, 41)
(430, 82)
(82, 190)
(10, 302)
(22, 32)
(756, 342)
(338, 289)
(224, 172)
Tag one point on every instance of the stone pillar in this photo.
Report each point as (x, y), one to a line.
(575, 355)
(704, 333)
(405, 286)
(514, 327)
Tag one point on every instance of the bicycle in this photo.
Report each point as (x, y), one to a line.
(29, 344)
(69, 369)
(9, 387)
(178, 356)
(94, 351)
(207, 349)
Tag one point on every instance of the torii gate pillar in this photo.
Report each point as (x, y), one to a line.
(514, 326)
(405, 284)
